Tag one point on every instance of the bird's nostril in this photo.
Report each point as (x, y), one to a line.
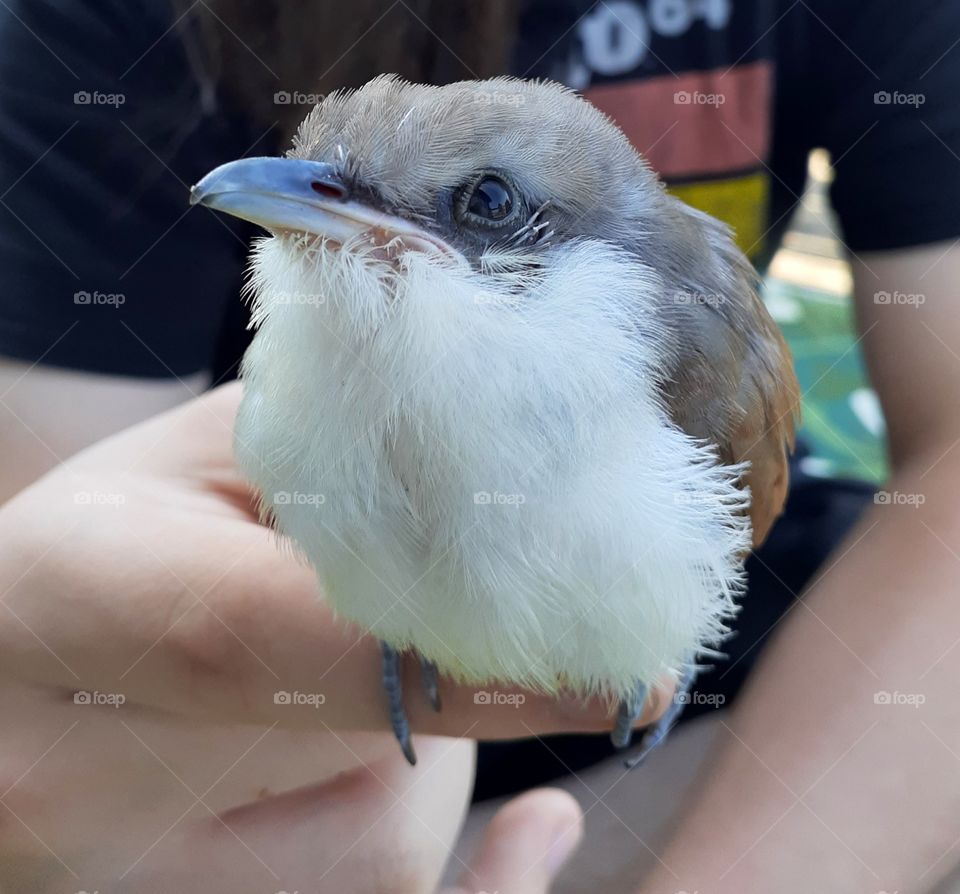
(329, 189)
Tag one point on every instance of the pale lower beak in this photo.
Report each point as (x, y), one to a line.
(298, 195)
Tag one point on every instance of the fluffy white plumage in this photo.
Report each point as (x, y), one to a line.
(387, 399)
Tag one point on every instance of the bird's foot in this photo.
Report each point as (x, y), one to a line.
(627, 714)
(428, 678)
(654, 734)
(393, 688)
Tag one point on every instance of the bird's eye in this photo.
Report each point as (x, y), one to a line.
(490, 201)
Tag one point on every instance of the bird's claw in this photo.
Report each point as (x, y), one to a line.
(628, 712)
(428, 677)
(393, 689)
(654, 734)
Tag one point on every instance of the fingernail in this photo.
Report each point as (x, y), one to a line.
(566, 837)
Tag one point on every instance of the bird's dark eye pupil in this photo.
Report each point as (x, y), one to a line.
(491, 199)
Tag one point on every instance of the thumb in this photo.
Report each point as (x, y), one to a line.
(527, 842)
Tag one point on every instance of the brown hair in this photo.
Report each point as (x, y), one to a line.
(252, 49)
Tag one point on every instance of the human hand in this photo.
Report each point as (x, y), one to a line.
(137, 571)
(524, 846)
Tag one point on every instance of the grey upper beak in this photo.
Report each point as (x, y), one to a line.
(277, 193)
(270, 176)
(300, 195)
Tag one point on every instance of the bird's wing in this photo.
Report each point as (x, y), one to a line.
(730, 377)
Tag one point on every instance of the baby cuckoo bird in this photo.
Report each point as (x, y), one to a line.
(521, 409)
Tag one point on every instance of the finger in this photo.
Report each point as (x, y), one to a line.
(264, 647)
(525, 845)
(368, 830)
(269, 635)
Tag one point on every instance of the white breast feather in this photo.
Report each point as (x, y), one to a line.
(486, 476)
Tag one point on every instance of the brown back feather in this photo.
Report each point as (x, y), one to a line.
(730, 380)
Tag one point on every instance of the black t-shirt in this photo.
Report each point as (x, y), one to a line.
(105, 120)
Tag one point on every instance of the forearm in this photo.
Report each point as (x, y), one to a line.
(815, 785)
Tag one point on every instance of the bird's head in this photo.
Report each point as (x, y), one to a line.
(488, 174)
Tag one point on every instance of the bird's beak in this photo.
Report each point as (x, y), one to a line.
(302, 196)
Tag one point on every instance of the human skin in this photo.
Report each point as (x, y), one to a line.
(138, 569)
